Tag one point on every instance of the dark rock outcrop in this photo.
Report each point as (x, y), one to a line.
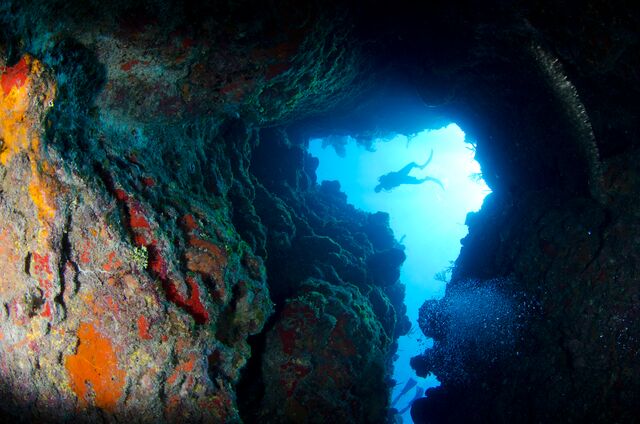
(327, 341)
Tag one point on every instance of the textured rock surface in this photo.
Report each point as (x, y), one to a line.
(136, 223)
(575, 306)
(327, 341)
(167, 255)
(103, 311)
(555, 242)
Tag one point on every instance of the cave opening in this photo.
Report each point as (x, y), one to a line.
(427, 213)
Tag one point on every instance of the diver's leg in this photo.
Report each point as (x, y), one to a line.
(405, 171)
(411, 180)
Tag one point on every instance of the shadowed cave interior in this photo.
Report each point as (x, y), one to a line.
(168, 255)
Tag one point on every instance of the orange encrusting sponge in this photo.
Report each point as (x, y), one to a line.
(23, 89)
(95, 365)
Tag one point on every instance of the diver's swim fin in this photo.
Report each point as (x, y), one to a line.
(408, 386)
(435, 180)
(427, 162)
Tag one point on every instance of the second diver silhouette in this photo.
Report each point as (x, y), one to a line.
(388, 182)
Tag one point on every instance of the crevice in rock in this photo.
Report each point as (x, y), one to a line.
(27, 264)
(65, 251)
(251, 388)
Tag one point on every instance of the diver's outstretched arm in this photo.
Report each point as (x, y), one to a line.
(427, 162)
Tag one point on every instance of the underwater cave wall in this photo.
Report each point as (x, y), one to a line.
(153, 218)
(555, 243)
(333, 273)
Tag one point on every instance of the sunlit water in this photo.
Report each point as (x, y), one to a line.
(430, 219)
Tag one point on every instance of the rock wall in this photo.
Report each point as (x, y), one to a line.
(151, 223)
(539, 322)
(567, 274)
(120, 298)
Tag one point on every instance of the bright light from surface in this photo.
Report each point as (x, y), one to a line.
(430, 219)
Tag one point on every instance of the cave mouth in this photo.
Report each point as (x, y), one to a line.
(427, 214)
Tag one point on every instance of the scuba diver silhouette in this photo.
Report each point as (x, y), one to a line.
(392, 180)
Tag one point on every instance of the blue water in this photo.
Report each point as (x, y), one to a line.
(430, 219)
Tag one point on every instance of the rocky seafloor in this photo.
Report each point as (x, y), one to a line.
(167, 255)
